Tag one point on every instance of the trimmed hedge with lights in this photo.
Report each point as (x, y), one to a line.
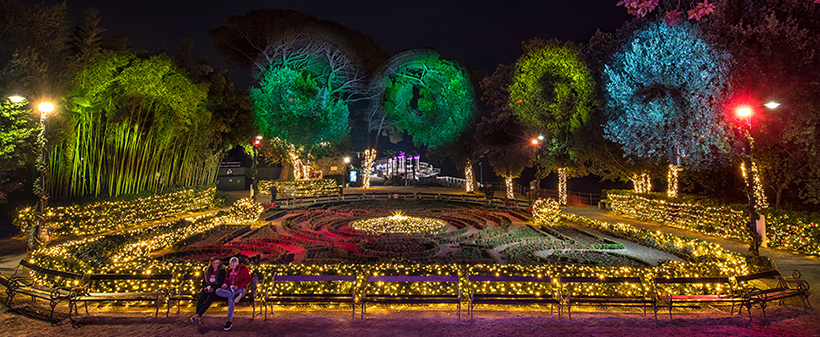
(103, 216)
(795, 231)
(300, 188)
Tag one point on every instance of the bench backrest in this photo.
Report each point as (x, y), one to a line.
(122, 277)
(312, 278)
(757, 276)
(690, 280)
(600, 280)
(504, 278)
(52, 272)
(447, 278)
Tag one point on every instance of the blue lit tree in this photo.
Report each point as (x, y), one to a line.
(665, 91)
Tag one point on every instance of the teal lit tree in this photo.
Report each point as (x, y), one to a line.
(553, 92)
(665, 91)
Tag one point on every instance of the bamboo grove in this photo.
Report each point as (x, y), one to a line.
(134, 124)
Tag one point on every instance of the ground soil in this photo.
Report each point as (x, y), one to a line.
(414, 321)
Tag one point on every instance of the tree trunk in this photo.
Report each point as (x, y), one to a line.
(779, 194)
(284, 174)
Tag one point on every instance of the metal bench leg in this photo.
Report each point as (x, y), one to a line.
(364, 309)
(763, 307)
(353, 312)
(471, 310)
(458, 310)
(569, 310)
(53, 305)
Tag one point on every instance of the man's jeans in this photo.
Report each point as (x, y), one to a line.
(231, 295)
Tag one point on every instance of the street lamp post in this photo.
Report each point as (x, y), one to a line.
(254, 181)
(39, 232)
(537, 187)
(347, 165)
(746, 155)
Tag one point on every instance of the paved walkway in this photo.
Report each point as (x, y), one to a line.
(809, 266)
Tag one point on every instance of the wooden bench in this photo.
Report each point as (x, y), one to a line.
(179, 294)
(271, 296)
(783, 288)
(548, 297)
(413, 299)
(705, 296)
(24, 286)
(84, 294)
(604, 300)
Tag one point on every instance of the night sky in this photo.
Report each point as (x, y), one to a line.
(476, 33)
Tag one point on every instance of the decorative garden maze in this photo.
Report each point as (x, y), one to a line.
(388, 237)
(407, 231)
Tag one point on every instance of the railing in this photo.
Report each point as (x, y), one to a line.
(299, 202)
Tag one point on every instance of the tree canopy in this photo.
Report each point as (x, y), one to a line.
(665, 93)
(432, 99)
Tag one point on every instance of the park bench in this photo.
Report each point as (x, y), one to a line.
(25, 286)
(704, 296)
(84, 294)
(760, 293)
(272, 296)
(603, 300)
(179, 293)
(413, 299)
(541, 298)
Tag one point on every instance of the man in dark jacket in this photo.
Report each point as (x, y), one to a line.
(236, 281)
(213, 276)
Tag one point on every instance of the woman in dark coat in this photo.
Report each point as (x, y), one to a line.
(212, 277)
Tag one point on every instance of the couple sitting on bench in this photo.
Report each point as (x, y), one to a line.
(218, 282)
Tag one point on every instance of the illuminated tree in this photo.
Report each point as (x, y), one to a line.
(553, 92)
(291, 106)
(18, 131)
(133, 124)
(325, 62)
(665, 91)
(431, 99)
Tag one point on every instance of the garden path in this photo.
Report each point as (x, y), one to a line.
(809, 266)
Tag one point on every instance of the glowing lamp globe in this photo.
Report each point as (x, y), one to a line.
(16, 98)
(535, 142)
(772, 105)
(46, 107)
(744, 112)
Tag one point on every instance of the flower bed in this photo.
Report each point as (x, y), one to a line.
(791, 230)
(400, 224)
(103, 216)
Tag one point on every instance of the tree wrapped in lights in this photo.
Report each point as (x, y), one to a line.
(367, 166)
(664, 91)
(553, 92)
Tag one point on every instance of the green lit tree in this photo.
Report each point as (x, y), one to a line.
(133, 124)
(553, 92)
(18, 131)
(431, 99)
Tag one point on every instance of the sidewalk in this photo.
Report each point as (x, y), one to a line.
(809, 266)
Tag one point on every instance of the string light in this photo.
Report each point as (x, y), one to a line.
(672, 179)
(302, 188)
(785, 229)
(369, 159)
(760, 196)
(103, 216)
(546, 212)
(468, 173)
(642, 183)
(562, 185)
(508, 183)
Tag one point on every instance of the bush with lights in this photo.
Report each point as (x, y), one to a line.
(795, 231)
(546, 212)
(300, 188)
(103, 216)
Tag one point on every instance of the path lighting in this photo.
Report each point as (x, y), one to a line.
(347, 160)
(534, 141)
(16, 98)
(254, 182)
